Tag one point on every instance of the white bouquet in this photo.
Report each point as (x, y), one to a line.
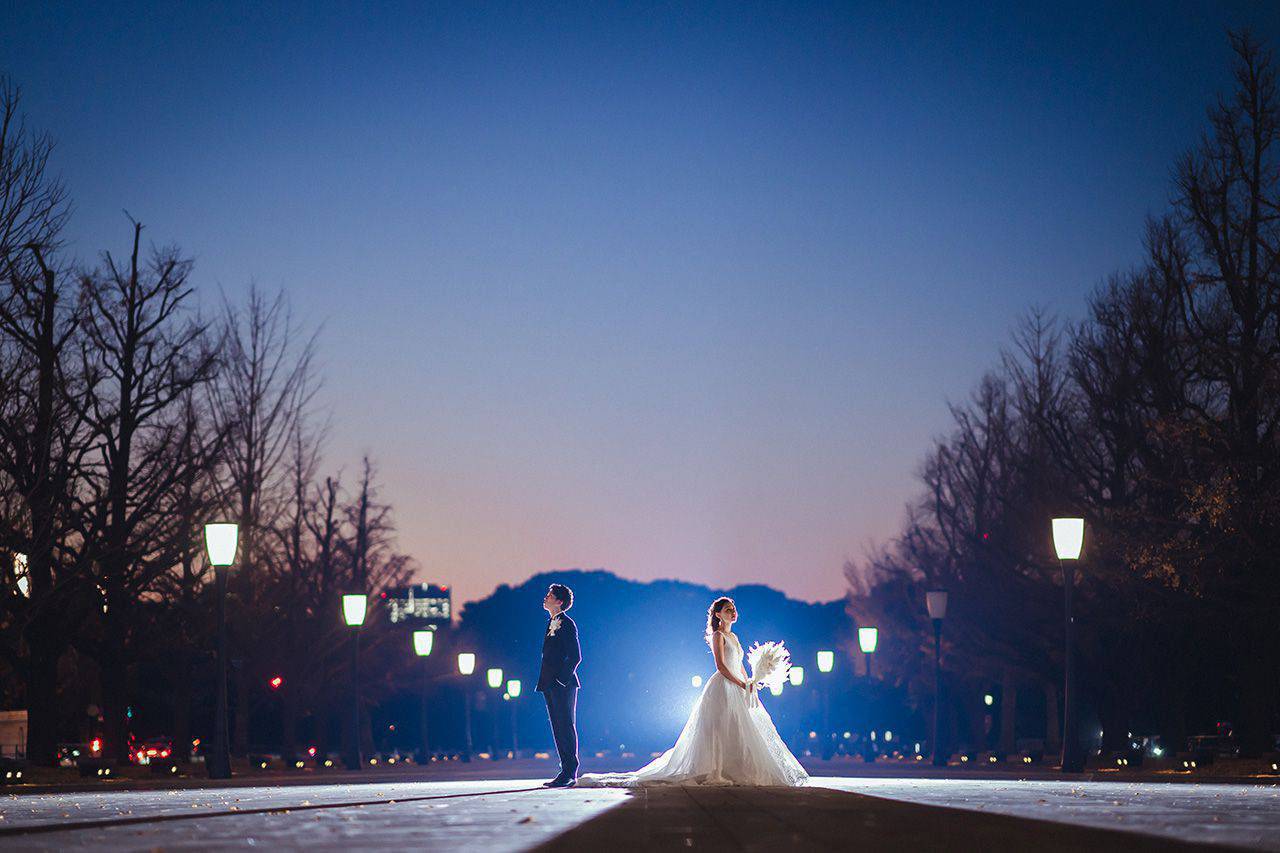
(770, 663)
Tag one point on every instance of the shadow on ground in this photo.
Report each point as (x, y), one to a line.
(737, 819)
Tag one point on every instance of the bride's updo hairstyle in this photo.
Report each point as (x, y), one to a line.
(713, 616)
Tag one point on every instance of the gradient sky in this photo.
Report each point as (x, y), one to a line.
(676, 290)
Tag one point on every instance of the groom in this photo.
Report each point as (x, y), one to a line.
(558, 683)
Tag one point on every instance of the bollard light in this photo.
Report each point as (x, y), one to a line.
(796, 676)
(422, 642)
(1068, 537)
(826, 660)
(220, 541)
(495, 677)
(353, 608)
(466, 663)
(867, 638)
(513, 688)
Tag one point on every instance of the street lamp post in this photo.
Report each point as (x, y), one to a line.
(867, 639)
(220, 540)
(826, 662)
(513, 690)
(936, 603)
(494, 677)
(1068, 540)
(796, 676)
(353, 611)
(422, 643)
(466, 666)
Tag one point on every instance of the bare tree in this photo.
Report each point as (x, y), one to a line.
(1223, 252)
(263, 395)
(1157, 420)
(154, 355)
(40, 434)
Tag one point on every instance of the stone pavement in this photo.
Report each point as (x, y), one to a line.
(509, 815)
(1243, 815)
(503, 816)
(769, 819)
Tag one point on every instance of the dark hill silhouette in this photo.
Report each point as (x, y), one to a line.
(642, 643)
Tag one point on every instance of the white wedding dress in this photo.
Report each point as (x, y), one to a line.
(728, 740)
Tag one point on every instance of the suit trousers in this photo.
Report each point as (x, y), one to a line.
(562, 710)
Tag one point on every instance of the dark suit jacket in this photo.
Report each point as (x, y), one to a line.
(561, 655)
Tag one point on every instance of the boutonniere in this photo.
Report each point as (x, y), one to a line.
(553, 626)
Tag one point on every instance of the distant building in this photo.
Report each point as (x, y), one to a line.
(423, 604)
(13, 734)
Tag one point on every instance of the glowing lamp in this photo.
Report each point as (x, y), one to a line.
(422, 642)
(353, 608)
(867, 638)
(826, 660)
(696, 681)
(796, 676)
(988, 699)
(936, 603)
(1068, 537)
(22, 575)
(776, 688)
(495, 677)
(220, 541)
(276, 682)
(466, 663)
(513, 688)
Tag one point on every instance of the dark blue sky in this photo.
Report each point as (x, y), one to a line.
(677, 290)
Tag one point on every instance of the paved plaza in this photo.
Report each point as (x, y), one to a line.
(507, 815)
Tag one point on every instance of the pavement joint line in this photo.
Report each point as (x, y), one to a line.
(769, 807)
(712, 816)
(45, 828)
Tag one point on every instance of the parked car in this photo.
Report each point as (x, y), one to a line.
(153, 749)
(70, 754)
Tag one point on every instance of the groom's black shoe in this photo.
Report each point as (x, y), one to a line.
(561, 782)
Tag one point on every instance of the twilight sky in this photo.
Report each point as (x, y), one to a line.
(676, 290)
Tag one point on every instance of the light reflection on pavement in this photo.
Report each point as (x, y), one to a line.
(1242, 815)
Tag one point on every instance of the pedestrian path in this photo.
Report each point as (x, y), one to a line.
(517, 815)
(820, 818)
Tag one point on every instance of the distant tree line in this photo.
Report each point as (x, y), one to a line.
(129, 419)
(643, 643)
(1155, 418)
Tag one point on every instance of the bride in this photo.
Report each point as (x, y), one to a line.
(729, 738)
